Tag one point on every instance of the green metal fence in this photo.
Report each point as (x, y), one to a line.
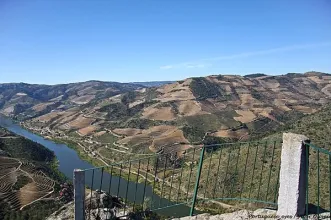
(318, 189)
(209, 178)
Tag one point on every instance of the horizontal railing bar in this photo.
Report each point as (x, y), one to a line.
(317, 148)
(156, 155)
(240, 199)
(171, 206)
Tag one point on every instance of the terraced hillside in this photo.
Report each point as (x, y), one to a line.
(209, 109)
(35, 100)
(26, 178)
(21, 184)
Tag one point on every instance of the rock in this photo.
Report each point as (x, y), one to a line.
(66, 212)
(238, 215)
(100, 207)
(266, 214)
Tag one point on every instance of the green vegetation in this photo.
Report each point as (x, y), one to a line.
(255, 75)
(251, 170)
(204, 89)
(37, 211)
(106, 138)
(26, 149)
(232, 171)
(128, 97)
(40, 159)
(151, 94)
(21, 181)
(195, 127)
(218, 100)
(142, 123)
(317, 128)
(121, 111)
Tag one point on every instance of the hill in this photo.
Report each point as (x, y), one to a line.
(153, 83)
(35, 100)
(251, 170)
(212, 109)
(27, 174)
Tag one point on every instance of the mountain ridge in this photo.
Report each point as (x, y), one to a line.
(213, 109)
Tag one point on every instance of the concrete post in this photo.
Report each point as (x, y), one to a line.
(292, 179)
(79, 194)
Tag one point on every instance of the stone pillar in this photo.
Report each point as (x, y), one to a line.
(292, 177)
(79, 194)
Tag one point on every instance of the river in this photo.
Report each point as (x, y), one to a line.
(69, 160)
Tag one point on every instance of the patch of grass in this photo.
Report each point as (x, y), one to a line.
(195, 127)
(106, 138)
(317, 128)
(234, 171)
(21, 181)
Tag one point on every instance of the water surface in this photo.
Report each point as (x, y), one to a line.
(69, 160)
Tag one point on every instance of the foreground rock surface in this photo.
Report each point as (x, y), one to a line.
(67, 213)
(251, 215)
(94, 207)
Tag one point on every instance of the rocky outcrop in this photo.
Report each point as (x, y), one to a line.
(66, 212)
(98, 205)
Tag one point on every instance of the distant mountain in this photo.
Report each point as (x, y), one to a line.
(211, 109)
(34, 100)
(153, 83)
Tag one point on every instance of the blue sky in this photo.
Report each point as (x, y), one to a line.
(60, 41)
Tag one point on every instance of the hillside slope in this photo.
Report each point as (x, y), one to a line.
(211, 109)
(27, 174)
(34, 100)
(251, 170)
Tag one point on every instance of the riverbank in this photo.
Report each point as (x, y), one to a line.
(162, 182)
(132, 191)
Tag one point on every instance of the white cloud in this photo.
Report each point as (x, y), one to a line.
(201, 62)
(195, 65)
(166, 67)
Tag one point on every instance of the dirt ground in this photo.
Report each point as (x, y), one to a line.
(189, 108)
(163, 114)
(87, 130)
(246, 116)
(127, 131)
(231, 134)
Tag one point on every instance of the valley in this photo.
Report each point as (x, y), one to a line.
(171, 117)
(175, 120)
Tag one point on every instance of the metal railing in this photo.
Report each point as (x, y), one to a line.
(201, 178)
(318, 178)
(207, 178)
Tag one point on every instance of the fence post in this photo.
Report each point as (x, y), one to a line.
(292, 177)
(79, 194)
(196, 188)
